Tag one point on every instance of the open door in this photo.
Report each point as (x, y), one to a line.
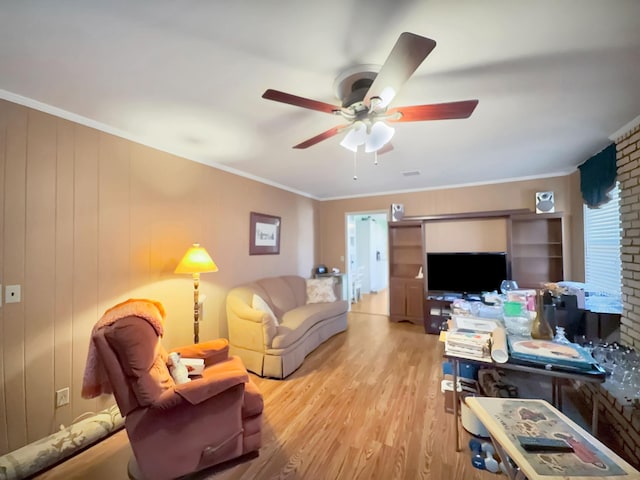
(367, 262)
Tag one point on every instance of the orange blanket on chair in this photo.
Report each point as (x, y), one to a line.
(95, 381)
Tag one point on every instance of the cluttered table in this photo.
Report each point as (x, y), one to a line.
(542, 443)
(509, 346)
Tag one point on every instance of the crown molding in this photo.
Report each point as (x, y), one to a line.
(622, 131)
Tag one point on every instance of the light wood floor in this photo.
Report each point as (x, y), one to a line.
(373, 303)
(365, 405)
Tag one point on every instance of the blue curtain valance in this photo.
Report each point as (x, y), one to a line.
(598, 176)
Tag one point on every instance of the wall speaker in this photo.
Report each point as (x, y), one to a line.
(545, 202)
(397, 211)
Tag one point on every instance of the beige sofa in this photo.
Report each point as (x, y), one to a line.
(276, 347)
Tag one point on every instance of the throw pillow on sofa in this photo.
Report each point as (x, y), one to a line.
(320, 290)
(258, 303)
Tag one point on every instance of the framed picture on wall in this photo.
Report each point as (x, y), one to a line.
(264, 234)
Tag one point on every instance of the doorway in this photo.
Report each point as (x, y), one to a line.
(367, 262)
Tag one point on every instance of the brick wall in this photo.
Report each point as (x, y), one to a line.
(628, 160)
(619, 420)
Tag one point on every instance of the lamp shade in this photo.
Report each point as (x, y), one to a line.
(196, 260)
(372, 137)
(380, 134)
(355, 137)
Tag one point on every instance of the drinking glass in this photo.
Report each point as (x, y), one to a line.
(508, 285)
(582, 341)
(599, 353)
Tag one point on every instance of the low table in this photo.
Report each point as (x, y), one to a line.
(507, 418)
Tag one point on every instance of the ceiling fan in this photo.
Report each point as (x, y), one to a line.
(366, 92)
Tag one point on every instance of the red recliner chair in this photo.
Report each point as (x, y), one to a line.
(177, 429)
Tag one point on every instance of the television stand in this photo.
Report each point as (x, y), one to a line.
(473, 297)
(449, 296)
(438, 308)
(437, 312)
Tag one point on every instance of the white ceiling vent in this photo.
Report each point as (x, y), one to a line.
(410, 173)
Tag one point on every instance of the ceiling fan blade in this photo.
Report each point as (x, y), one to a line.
(405, 57)
(386, 149)
(323, 136)
(436, 111)
(283, 97)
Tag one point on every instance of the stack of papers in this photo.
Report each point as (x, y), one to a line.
(470, 322)
(470, 344)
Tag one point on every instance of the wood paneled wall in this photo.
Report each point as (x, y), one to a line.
(479, 198)
(489, 235)
(88, 220)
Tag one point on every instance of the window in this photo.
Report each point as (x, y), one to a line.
(602, 238)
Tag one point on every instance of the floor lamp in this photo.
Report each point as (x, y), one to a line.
(195, 262)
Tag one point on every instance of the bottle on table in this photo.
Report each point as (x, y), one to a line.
(541, 328)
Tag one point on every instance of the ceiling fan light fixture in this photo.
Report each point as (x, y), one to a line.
(356, 136)
(379, 135)
(387, 94)
(376, 102)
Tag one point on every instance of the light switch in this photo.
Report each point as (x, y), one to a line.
(12, 294)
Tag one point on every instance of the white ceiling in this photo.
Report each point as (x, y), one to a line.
(554, 79)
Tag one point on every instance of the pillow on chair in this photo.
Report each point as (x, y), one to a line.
(258, 303)
(320, 290)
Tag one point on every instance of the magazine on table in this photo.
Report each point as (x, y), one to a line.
(550, 353)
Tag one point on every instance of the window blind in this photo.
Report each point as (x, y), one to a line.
(602, 239)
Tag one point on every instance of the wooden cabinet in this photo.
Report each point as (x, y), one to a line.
(406, 299)
(536, 249)
(406, 259)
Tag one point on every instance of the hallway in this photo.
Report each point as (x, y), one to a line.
(373, 303)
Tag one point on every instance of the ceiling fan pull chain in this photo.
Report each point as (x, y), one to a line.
(355, 161)
(375, 157)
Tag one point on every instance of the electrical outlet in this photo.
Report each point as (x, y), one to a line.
(62, 397)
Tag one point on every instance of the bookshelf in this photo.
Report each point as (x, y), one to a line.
(406, 259)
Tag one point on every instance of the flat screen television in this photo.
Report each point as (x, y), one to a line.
(469, 272)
